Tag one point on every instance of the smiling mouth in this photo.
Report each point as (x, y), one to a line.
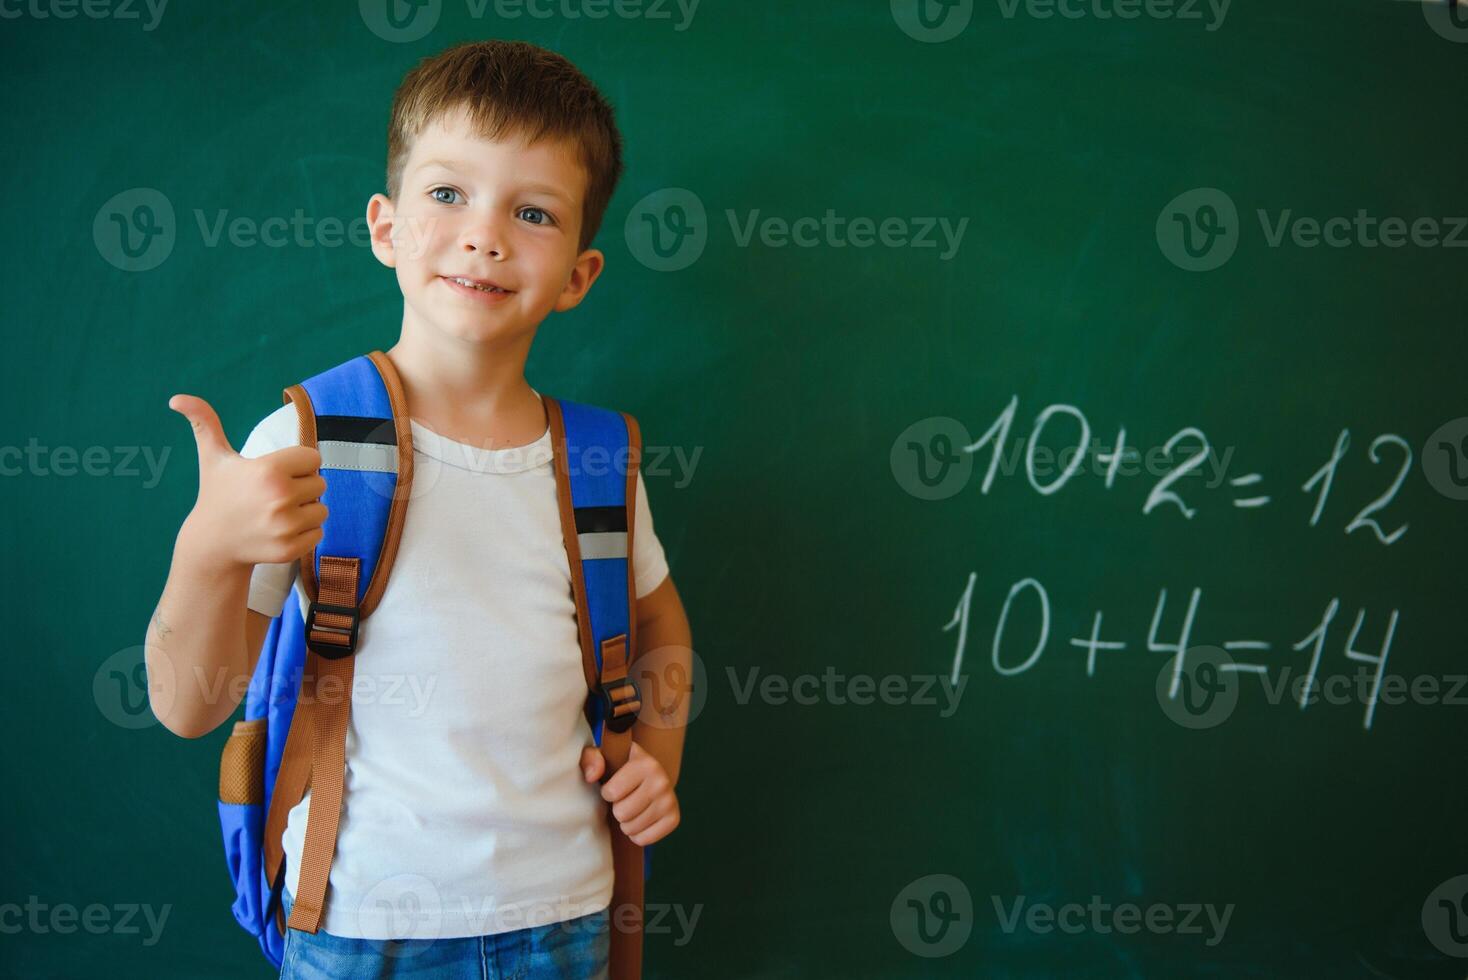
(483, 287)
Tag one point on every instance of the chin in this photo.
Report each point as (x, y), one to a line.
(470, 331)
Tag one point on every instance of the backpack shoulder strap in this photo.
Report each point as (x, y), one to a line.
(596, 453)
(356, 416)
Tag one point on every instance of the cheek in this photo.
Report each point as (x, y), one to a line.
(422, 237)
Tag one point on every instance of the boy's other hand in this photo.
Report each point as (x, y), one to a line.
(251, 511)
(641, 794)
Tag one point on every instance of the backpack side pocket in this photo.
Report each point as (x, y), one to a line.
(242, 763)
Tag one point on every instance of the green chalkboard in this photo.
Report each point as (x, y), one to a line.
(887, 285)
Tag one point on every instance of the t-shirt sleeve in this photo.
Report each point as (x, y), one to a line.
(270, 585)
(649, 564)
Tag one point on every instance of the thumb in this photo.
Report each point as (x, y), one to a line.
(208, 433)
(592, 763)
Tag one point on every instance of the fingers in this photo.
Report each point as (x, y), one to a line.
(625, 779)
(655, 811)
(657, 831)
(313, 514)
(593, 763)
(622, 782)
(302, 544)
(633, 804)
(209, 436)
(305, 489)
(297, 460)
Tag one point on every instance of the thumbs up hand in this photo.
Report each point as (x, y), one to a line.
(252, 511)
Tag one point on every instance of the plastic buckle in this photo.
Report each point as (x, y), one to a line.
(619, 723)
(333, 651)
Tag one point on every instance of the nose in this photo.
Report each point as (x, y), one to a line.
(485, 234)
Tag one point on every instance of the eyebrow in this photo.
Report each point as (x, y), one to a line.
(548, 189)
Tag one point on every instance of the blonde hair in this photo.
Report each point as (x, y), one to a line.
(511, 88)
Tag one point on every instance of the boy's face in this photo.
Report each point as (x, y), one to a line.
(502, 212)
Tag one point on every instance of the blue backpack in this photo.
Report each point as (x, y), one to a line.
(356, 417)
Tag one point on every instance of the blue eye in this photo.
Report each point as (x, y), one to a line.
(434, 194)
(546, 218)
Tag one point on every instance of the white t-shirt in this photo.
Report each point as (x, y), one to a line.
(465, 812)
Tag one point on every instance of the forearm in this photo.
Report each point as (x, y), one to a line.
(664, 672)
(196, 648)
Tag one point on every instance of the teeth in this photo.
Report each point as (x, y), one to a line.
(473, 285)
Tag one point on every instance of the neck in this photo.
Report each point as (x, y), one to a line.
(475, 393)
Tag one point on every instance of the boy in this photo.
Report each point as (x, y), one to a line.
(473, 801)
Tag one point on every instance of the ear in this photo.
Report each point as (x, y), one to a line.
(588, 266)
(381, 220)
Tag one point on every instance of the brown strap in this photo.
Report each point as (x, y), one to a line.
(561, 465)
(290, 786)
(306, 436)
(626, 911)
(397, 512)
(617, 653)
(294, 774)
(328, 712)
(627, 886)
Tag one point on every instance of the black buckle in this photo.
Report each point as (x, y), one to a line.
(619, 723)
(327, 650)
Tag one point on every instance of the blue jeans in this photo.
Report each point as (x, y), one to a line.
(575, 949)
